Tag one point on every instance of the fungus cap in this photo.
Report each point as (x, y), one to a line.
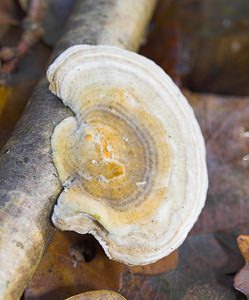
(131, 160)
(97, 295)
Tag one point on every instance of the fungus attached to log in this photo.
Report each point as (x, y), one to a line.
(131, 160)
(28, 190)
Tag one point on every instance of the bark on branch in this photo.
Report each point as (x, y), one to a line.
(28, 181)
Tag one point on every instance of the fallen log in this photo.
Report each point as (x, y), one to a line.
(29, 185)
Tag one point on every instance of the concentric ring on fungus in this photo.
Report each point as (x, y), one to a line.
(131, 160)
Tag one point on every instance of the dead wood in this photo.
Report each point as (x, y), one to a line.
(29, 184)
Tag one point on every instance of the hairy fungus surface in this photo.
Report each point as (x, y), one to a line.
(131, 160)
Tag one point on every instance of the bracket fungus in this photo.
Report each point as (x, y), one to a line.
(131, 160)
(97, 295)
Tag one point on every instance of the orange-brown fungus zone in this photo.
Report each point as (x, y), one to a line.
(117, 152)
(88, 137)
(104, 167)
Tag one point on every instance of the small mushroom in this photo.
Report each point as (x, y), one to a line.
(131, 160)
(97, 295)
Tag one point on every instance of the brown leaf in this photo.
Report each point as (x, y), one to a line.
(224, 122)
(204, 43)
(241, 280)
(9, 13)
(4, 95)
(64, 272)
(164, 265)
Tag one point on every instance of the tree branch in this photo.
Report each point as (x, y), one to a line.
(28, 181)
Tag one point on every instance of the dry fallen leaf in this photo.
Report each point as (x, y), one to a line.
(73, 264)
(164, 265)
(241, 280)
(4, 95)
